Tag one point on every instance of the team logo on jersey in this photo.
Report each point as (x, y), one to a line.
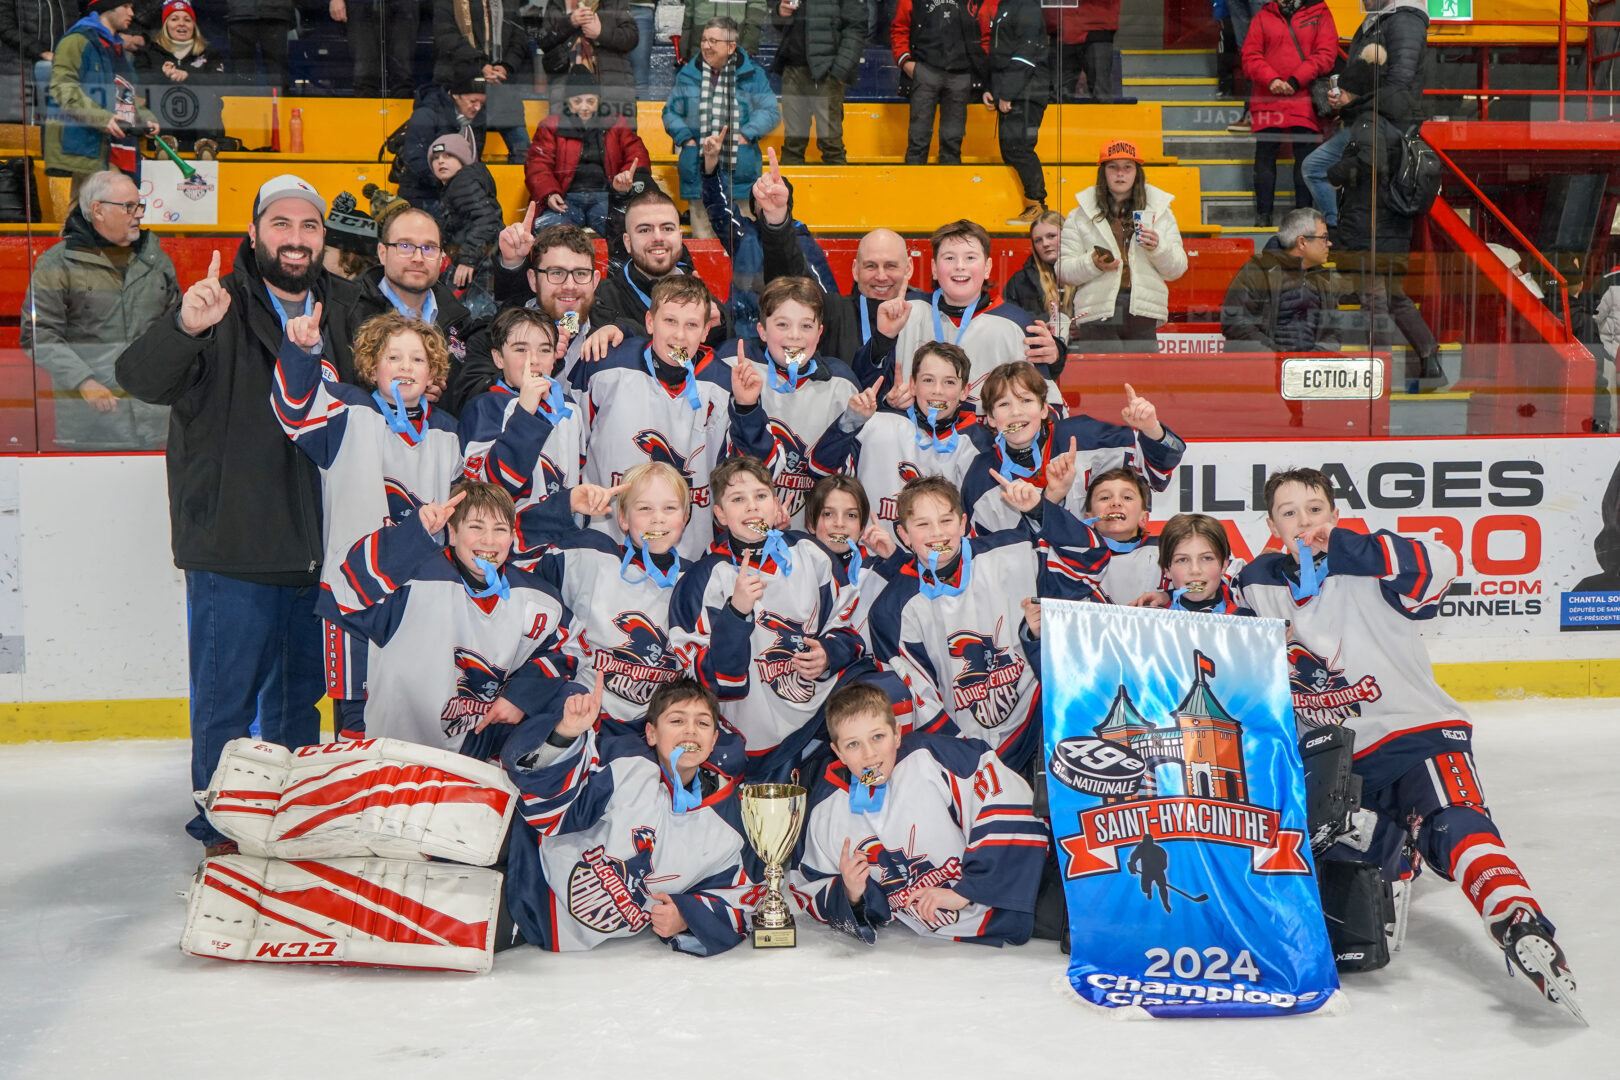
(402, 504)
(550, 479)
(608, 894)
(790, 462)
(775, 663)
(480, 684)
(657, 448)
(1322, 694)
(642, 664)
(903, 876)
(888, 507)
(987, 683)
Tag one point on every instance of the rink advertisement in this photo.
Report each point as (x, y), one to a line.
(1536, 522)
(1178, 811)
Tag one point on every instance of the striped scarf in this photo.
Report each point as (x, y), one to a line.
(717, 108)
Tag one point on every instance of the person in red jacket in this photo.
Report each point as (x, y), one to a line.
(577, 155)
(1290, 43)
(1084, 45)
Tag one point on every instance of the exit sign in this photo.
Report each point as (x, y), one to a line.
(1451, 9)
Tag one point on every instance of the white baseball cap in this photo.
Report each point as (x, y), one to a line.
(287, 186)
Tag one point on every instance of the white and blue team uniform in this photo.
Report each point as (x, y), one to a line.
(442, 651)
(952, 815)
(600, 834)
(1099, 447)
(633, 417)
(802, 401)
(748, 662)
(1098, 569)
(374, 460)
(532, 455)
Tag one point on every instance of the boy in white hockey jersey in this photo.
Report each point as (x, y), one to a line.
(1023, 437)
(643, 836)
(761, 621)
(839, 515)
(462, 645)
(1109, 555)
(931, 434)
(936, 832)
(377, 445)
(1195, 557)
(1352, 602)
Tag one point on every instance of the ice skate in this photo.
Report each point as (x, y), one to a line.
(1528, 942)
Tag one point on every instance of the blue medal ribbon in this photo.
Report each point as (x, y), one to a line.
(1311, 575)
(683, 799)
(1010, 468)
(777, 548)
(1118, 547)
(932, 441)
(646, 301)
(854, 562)
(938, 588)
(866, 318)
(1176, 605)
(866, 800)
(689, 388)
(791, 383)
(961, 327)
(396, 416)
(281, 312)
(556, 405)
(495, 581)
(663, 579)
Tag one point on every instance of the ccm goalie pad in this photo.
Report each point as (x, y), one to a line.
(384, 797)
(374, 912)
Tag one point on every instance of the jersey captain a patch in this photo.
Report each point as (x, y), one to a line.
(477, 687)
(987, 675)
(1322, 693)
(636, 668)
(608, 894)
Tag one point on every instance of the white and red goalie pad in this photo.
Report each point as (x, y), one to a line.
(373, 912)
(384, 797)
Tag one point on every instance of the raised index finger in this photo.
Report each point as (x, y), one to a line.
(998, 478)
(213, 265)
(316, 312)
(617, 489)
(1130, 393)
(454, 499)
(528, 218)
(776, 172)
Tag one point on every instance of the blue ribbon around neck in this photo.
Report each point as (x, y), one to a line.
(281, 312)
(866, 318)
(777, 548)
(854, 562)
(1311, 574)
(646, 301)
(931, 441)
(556, 404)
(395, 415)
(662, 578)
(939, 588)
(494, 581)
(791, 383)
(1118, 547)
(1175, 603)
(684, 799)
(689, 388)
(1010, 468)
(866, 800)
(961, 327)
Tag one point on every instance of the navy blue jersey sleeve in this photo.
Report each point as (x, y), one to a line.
(1414, 574)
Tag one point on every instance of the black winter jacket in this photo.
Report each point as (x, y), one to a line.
(1396, 86)
(433, 114)
(1354, 173)
(834, 34)
(1018, 45)
(470, 214)
(555, 36)
(243, 500)
(32, 27)
(452, 317)
(259, 9)
(457, 56)
(1272, 287)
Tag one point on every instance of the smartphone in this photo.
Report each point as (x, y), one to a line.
(1103, 252)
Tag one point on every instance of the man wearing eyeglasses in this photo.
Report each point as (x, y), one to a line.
(1284, 300)
(89, 297)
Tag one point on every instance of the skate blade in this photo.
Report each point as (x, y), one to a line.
(1539, 959)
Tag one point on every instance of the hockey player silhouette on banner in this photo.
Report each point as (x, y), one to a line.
(1149, 861)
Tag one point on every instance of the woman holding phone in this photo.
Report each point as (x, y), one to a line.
(1120, 249)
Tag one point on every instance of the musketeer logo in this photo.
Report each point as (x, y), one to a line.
(776, 662)
(476, 691)
(1322, 694)
(642, 664)
(987, 684)
(1185, 780)
(790, 462)
(608, 894)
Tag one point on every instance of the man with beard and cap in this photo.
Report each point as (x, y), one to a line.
(244, 501)
(652, 239)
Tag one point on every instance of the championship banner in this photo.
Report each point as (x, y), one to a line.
(1178, 813)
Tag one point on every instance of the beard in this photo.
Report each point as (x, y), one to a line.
(269, 264)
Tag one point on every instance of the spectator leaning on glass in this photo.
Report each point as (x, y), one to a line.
(88, 298)
(1284, 299)
(749, 16)
(1120, 247)
(595, 34)
(244, 501)
(436, 112)
(819, 55)
(579, 153)
(1291, 43)
(94, 122)
(721, 90)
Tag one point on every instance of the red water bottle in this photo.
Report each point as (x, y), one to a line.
(275, 121)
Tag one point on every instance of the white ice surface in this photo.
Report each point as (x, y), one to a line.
(93, 861)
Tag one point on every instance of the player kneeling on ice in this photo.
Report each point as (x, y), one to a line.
(1353, 602)
(616, 841)
(931, 830)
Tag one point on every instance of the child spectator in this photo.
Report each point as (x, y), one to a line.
(1035, 287)
(469, 210)
(381, 448)
(578, 154)
(933, 831)
(940, 50)
(762, 622)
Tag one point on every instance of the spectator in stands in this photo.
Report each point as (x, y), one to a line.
(437, 113)
(1238, 17)
(485, 38)
(29, 31)
(258, 31)
(645, 16)
(244, 501)
(1035, 287)
(382, 41)
(469, 217)
(578, 155)
(1120, 249)
(940, 50)
(1083, 36)
(1291, 43)
(178, 55)
(721, 90)
(1018, 95)
(1284, 300)
(351, 239)
(699, 13)
(1386, 73)
(89, 297)
(94, 121)
(819, 55)
(599, 36)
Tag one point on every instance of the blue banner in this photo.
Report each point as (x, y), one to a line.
(1178, 811)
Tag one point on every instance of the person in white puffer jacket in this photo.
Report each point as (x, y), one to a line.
(1120, 301)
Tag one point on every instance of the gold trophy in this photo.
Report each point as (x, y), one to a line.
(772, 816)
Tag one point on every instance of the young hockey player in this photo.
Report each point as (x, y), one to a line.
(839, 516)
(934, 831)
(1352, 602)
(668, 398)
(1111, 558)
(932, 435)
(462, 646)
(614, 842)
(804, 393)
(963, 311)
(1025, 438)
(1196, 559)
(373, 443)
(762, 622)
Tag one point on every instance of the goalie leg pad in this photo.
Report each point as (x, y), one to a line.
(383, 797)
(1357, 904)
(1332, 789)
(371, 912)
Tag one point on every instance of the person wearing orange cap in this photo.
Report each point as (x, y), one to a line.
(1120, 249)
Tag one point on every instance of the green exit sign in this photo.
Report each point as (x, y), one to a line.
(1451, 9)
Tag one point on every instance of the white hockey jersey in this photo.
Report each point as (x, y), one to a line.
(953, 815)
(889, 450)
(991, 337)
(531, 455)
(1097, 570)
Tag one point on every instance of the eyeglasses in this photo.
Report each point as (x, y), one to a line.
(1324, 236)
(406, 249)
(131, 208)
(559, 274)
(707, 40)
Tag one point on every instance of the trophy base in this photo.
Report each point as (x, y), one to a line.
(780, 937)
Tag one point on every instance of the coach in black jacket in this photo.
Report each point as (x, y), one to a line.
(244, 502)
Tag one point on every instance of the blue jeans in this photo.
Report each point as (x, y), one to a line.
(586, 209)
(1315, 170)
(641, 55)
(517, 140)
(255, 653)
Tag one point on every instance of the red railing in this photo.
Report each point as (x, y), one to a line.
(1563, 24)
